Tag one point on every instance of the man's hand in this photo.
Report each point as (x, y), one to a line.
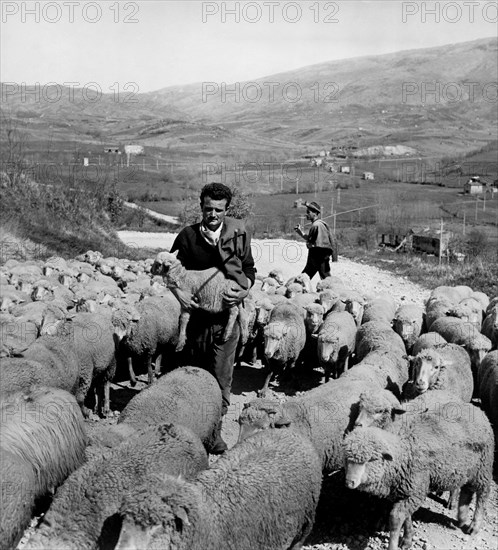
(299, 230)
(234, 295)
(185, 298)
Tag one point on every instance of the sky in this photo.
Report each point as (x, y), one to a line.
(147, 45)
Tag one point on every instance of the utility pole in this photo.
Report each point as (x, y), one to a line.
(339, 196)
(464, 221)
(441, 242)
(281, 179)
(332, 205)
(297, 185)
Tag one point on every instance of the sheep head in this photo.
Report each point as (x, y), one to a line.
(378, 409)
(426, 368)
(163, 263)
(366, 451)
(274, 333)
(259, 415)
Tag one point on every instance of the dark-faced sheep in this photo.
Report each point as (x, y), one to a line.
(43, 441)
(427, 340)
(445, 368)
(261, 494)
(82, 513)
(488, 387)
(428, 454)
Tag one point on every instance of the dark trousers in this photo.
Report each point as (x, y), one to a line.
(318, 261)
(208, 351)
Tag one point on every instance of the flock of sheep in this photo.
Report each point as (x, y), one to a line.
(394, 410)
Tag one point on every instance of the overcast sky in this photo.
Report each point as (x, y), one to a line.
(155, 44)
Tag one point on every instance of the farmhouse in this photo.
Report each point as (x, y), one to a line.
(474, 186)
(345, 170)
(368, 176)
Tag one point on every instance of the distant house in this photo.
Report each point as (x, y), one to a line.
(474, 186)
(112, 149)
(368, 175)
(134, 149)
(345, 170)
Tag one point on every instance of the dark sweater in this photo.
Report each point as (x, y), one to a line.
(236, 263)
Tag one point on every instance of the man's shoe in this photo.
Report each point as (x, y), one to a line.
(219, 446)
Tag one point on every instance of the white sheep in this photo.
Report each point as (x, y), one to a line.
(377, 336)
(285, 337)
(465, 334)
(382, 308)
(408, 323)
(336, 342)
(427, 340)
(207, 286)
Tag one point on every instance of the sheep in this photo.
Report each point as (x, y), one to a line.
(490, 326)
(427, 340)
(156, 327)
(469, 310)
(380, 309)
(427, 454)
(408, 323)
(354, 303)
(452, 294)
(488, 387)
(293, 290)
(46, 316)
(382, 368)
(332, 282)
(269, 285)
(481, 297)
(465, 334)
(302, 279)
(322, 414)
(380, 408)
(336, 342)
(375, 335)
(82, 349)
(43, 441)
(49, 360)
(435, 309)
(189, 396)
(285, 336)
(207, 286)
(277, 275)
(446, 368)
(16, 335)
(81, 514)
(328, 298)
(262, 493)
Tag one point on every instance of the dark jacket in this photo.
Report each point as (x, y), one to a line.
(232, 255)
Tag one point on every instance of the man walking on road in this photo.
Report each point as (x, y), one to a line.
(320, 241)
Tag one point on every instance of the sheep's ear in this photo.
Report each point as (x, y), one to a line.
(175, 253)
(281, 420)
(398, 411)
(182, 515)
(387, 456)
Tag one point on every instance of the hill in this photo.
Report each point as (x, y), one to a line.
(440, 101)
